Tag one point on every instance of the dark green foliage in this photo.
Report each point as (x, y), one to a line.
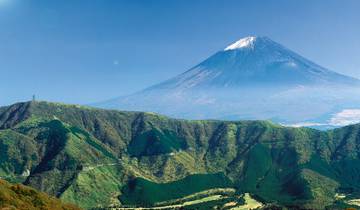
(17, 152)
(142, 192)
(76, 131)
(273, 174)
(87, 155)
(155, 142)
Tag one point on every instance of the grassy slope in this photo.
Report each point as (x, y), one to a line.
(22, 197)
(145, 193)
(278, 164)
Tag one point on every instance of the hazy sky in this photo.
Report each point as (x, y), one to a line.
(83, 51)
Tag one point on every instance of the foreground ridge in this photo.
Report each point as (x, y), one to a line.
(21, 197)
(103, 158)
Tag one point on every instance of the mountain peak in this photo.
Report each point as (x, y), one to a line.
(242, 43)
(254, 61)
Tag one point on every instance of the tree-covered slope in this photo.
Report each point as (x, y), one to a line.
(25, 198)
(93, 157)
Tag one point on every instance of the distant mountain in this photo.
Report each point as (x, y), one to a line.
(253, 78)
(101, 158)
(254, 61)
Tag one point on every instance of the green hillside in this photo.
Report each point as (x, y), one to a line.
(100, 158)
(21, 197)
(147, 193)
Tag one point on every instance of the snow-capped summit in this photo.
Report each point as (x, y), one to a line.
(254, 62)
(244, 42)
(253, 78)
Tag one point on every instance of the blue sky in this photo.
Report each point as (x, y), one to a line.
(83, 51)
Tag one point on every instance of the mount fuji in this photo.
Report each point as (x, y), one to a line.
(253, 78)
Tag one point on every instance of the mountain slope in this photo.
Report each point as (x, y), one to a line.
(254, 78)
(22, 197)
(95, 157)
(255, 61)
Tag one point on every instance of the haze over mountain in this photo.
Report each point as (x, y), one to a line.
(253, 78)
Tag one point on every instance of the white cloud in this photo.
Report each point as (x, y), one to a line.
(345, 117)
(304, 124)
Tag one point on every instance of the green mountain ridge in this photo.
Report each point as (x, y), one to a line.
(101, 158)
